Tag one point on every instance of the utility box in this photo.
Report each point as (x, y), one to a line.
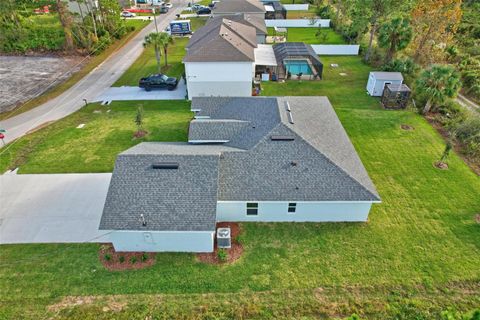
(224, 238)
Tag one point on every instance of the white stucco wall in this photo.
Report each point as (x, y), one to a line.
(305, 212)
(298, 23)
(163, 241)
(336, 49)
(225, 79)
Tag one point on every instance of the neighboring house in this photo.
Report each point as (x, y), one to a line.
(274, 10)
(253, 21)
(231, 7)
(248, 159)
(377, 80)
(220, 59)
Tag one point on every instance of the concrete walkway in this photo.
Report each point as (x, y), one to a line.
(136, 93)
(90, 87)
(63, 208)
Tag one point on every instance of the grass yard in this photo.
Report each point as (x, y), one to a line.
(417, 256)
(61, 147)
(308, 35)
(146, 64)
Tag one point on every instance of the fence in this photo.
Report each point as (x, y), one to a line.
(336, 49)
(298, 23)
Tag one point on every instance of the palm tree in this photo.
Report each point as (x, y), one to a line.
(395, 35)
(153, 39)
(164, 40)
(437, 84)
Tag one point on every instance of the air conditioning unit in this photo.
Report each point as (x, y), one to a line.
(224, 238)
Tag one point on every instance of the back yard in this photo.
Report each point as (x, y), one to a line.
(309, 35)
(417, 256)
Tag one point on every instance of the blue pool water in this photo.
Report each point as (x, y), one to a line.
(297, 66)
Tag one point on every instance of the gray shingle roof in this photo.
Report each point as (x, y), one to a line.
(222, 40)
(182, 199)
(238, 6)
(319, 164)
(252, 20)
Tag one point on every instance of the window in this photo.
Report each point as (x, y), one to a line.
(252, 208)
(292, 207)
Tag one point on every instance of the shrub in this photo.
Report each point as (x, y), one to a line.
(133, 260)
(405, 66)
(222, 255)
(107, 257)
(144, 257)
(468, 133)
(121, 259)
(239, 239)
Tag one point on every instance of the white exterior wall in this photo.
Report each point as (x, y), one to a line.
(298, 23)
(305, 212)
(163, 241)
(336, 49)
(375, 87)
(226, 79)
(261, 38)
(296, 7)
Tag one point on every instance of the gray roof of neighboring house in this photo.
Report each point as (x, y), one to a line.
(381, 75)
(255, 21)
(317, 163)
(238, 6)
(222, 40)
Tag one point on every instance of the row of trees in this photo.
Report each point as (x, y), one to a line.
(91, 30)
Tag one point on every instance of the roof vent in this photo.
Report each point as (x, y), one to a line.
(142, 219)
(294, 163)
(290, 117)
(282, 138)
(165, 165)
(287, 105)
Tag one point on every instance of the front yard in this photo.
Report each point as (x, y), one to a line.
(418, 254)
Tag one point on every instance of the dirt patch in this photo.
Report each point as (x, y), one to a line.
(233, 254)
(111, 303)
(26, 77)
(441, 165)
(477, 218)
(407, 127)
(118, 261)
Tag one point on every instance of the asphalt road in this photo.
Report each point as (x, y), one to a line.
(91, 86)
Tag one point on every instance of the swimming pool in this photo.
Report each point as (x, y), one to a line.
(295, 66)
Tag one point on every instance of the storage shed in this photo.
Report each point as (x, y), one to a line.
(377, 81)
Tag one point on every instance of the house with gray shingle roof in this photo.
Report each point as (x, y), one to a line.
(232, 7)
(268, 159)
(220, 59)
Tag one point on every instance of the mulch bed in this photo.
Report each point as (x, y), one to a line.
(132, 260)
(441, 165)
(140, 134)
(233, 254)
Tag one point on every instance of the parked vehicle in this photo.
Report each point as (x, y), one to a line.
(127, 14)
(163, 9)
(197, 6)
(204, 11)
(158, 81)
(169, 5)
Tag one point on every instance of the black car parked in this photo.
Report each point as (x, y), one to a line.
(204, 11)
(158, 81)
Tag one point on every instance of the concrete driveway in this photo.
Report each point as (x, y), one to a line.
(136, 93)
(46, 208)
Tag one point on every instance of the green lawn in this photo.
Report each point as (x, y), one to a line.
(418, 254)
(308, 35)
(61, 147)
(146, 64)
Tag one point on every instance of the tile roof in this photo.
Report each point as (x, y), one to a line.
(222, 40)
(316, 163)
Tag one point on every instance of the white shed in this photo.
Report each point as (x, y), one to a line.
(378, 80)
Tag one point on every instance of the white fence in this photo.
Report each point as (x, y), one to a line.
(296, 7)
(298, 23)
(336, 49)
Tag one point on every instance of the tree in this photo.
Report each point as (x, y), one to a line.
(67, 22)
(434, 25)
(437, 84)
(165, 40)
(139, 118)
(153, 39)
(395, 35)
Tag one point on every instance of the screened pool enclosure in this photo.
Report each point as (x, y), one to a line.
(297, 60)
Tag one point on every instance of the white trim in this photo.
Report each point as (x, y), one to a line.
(195, 110)
(208, 141)
(164, 231)
(268, 201)
(201, 117)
